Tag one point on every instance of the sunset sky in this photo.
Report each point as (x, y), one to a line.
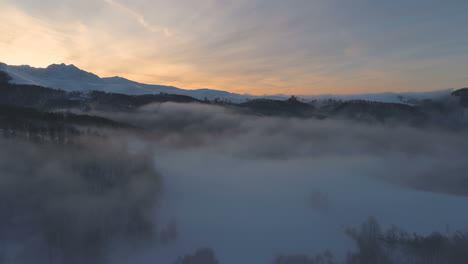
(248, 46)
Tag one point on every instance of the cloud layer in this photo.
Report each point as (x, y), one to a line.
(254, 187)
(257, 47)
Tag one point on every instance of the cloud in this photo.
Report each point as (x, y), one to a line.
(140, 18)
(256, 47)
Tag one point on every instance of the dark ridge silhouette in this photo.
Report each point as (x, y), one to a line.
(59, 127)
(463, 95)
(269, 107)
(14, 113)
(35, 97)
(115, 101)
(381, 112)
(4, 77)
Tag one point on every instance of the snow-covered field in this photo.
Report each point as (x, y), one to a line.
(250, 211)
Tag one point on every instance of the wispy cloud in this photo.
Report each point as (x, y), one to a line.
(246, 46)
(140, 18)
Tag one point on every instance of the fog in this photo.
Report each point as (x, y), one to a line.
(398, 153)
(74, 204)
(248, 187)
(254, 187)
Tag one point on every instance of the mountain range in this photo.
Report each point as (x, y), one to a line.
(71, 78)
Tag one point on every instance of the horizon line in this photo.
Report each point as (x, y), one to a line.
(244, 94)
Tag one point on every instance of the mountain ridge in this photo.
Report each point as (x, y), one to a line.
(443, 112)
(71, 78)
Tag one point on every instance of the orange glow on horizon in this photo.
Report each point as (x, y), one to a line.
(121, 41)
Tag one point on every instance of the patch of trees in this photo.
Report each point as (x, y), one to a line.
(122, 102)
(4, 77)
(40, 126)
(393, 246)
(35, 97)
(463, 95)
(290, 107)
(369, 111)
(50, 99)
(396, 246)
(218, 101)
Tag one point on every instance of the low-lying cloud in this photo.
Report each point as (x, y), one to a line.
(248, 187)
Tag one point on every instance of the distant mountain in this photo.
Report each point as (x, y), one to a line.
(411, 98)
(70, 78)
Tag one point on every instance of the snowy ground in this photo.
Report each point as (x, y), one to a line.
(248, 211)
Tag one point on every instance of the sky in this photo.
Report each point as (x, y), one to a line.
(302, 47)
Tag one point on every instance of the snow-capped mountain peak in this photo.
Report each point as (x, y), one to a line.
(67, 72)
(72, 78)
